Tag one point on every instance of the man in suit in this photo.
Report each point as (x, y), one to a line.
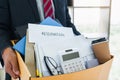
(15, 13)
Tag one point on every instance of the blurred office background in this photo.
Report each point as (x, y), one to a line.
(99, 18)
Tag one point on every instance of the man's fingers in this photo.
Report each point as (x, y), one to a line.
(15, 67)
(12, 73)
(8, 69)
(10, 61)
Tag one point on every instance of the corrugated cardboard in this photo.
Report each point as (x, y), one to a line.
(29, 57)
(97, 73)
(101, 51)
(100, 72)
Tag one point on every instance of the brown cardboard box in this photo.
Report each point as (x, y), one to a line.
(100, 72)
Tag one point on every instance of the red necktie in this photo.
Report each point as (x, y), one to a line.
(48, 9)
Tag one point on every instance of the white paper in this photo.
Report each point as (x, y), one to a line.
(43, 33)
(79, 42)
(52, 49)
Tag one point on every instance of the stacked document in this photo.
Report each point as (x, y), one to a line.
(45, 34)
(54, 48)
(57, 49)
(50, 41)
(20, 45)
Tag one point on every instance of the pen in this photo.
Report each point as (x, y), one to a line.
(38, 65)
(38, 74)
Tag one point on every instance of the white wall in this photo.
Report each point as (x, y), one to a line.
(115, 12)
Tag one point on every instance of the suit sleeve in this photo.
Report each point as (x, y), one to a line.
(4, 26)
(68, 21)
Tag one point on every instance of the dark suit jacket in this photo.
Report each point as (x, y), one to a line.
(15, 13)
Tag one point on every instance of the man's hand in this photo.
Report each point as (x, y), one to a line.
(10, 62)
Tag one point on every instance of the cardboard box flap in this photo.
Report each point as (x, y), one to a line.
(101, 51)
(105, 69)
(97, 73)
(24, 73)
(29, 57)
